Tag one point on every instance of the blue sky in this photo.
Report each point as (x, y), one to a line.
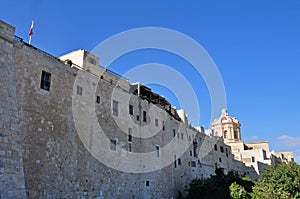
(255, 45)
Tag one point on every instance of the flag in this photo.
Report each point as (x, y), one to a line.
(31, 29)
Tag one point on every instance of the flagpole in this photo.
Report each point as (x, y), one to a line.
(31, 32)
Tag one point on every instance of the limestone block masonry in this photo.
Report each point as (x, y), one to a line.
(42, 153)
(12, 183)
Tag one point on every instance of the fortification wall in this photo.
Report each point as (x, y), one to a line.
(44, 155)
(11, 166)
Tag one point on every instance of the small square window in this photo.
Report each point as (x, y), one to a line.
(45, 81)
(193, 163)
(79, 90)
(98, 99)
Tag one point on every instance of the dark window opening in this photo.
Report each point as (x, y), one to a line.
(45, 81)
(193, 163)
(144, 116)
(129, 147)
(222, 149)
(179, 161)
(98, 99)
(220, 159)
(225, 134)
(195, 152)
(216, 147)
(163, 125)
(156, 122)
(129, 135)
(147, 183)
(138, 118)
(157, 151)
(174, 132)
(235, 135)
(226, 152)
(131, 109)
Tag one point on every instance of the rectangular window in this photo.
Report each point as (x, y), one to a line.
(79, 90)
(253, 159)
(130, 109)
(156, 122)
(193, 163)
(216, 147)
(129, 147)
(174, 133)
(45, 81)
(157, 150)
(147, 183)
(144, 116)
(163, 125)
(115, 108)
(182, 136)
(179, 161)
(221, 149)
(129, 135)
(113, 144)
(98, 99)
(138, 118)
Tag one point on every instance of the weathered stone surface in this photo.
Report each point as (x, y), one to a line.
(42, 153)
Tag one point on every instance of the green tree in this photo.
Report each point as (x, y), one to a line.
(237, 191)
(217, 186)
(281, 181)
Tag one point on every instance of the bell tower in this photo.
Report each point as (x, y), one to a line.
(227, 127)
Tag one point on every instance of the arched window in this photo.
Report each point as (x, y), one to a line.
(236, 136)
(225, 134)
